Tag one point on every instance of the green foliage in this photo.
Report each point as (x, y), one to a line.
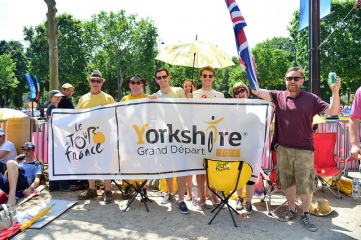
(7, 76)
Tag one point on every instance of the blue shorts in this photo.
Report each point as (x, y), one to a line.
(22, 183)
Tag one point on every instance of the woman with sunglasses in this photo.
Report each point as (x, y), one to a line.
(240, 90)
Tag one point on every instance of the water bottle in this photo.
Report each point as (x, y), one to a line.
(355, 188)
(195, 195)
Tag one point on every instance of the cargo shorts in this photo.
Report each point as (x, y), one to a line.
(296, 166)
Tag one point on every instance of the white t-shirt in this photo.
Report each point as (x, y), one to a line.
(207, 94)
(10, 148)
(175, 92)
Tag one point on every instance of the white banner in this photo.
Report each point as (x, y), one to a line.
(156, 138)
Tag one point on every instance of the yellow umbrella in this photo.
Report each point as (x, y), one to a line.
(195, 54)
(6, 113)
(28, 223)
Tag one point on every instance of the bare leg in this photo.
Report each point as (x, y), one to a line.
(306, 202)
(240, 192)
(201, 180)
(189, 185)
(249, 192)
(170, 185)
(91, 184)
(12, 168)
(291, 197)
(107, 184)
(181, 187)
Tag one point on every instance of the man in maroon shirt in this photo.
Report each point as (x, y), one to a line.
(293, 139)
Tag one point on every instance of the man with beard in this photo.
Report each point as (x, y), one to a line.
(293, 139)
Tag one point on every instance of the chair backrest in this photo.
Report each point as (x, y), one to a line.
(324, 144)
(227, 175)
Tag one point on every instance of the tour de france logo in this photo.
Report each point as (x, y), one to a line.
(84, 142)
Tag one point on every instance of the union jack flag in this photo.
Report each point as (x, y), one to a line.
(244, 53)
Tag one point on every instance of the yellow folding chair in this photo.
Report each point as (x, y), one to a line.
(226, 177)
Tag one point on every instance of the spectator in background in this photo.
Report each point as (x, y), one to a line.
(7, 151)
(354, 126)
(67, 90)
(55, 97)
(96, 97)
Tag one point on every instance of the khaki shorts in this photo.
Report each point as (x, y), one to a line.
(296, 166)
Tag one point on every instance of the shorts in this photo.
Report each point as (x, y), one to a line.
(296, 166)
(22, 183)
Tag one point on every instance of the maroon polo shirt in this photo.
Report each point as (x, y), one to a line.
(293, 120)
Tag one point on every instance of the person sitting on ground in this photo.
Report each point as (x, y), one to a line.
(23, 173)
(136, 85)
(7, 151)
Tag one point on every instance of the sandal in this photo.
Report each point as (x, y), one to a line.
(201, 207)
(188, 198)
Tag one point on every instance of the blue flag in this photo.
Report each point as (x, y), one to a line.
(31, 86)
(325, 10)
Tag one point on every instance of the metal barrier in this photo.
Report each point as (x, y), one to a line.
(40, 139)
(342, 147)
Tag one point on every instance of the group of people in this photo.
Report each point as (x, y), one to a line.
(292, 140)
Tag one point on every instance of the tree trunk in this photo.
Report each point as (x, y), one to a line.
(53, 35)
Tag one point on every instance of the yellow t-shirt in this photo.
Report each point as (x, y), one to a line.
(130, 97)
(88, 100)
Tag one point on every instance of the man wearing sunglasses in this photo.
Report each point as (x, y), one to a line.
(136, 85)
(23, 174)
(293, 139)
(7, 151)
(207, 76)
(65, 102)
(96, 97)
(162, 77)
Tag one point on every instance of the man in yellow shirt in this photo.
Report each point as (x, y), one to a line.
(96, 97)
(136, 85)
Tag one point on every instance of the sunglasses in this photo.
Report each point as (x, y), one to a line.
(242, 90)
(2, 135)
(135, 82)
(98, 81)
(296, 79)
(160, 77)
(205, 76)
(26, 149)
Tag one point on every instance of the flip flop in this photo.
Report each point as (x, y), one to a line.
(201, 207)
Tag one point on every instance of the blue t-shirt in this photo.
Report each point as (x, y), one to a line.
(31, 170)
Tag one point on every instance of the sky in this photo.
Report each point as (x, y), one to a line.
(183, 20)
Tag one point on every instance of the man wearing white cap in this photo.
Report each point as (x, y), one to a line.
(65, 102)
(7, 151)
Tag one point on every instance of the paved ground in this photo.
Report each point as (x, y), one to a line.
(94, 220)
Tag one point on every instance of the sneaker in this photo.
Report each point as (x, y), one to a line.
(247, 208)
(239, 204)
(168, 198)
(108, 197)
(90, 193)
(306, 220)
(183, 207)
(287, 216)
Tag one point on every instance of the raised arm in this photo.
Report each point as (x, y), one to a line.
(263, 93)
(334, 107)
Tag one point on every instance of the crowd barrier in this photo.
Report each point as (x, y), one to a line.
(342, 147)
